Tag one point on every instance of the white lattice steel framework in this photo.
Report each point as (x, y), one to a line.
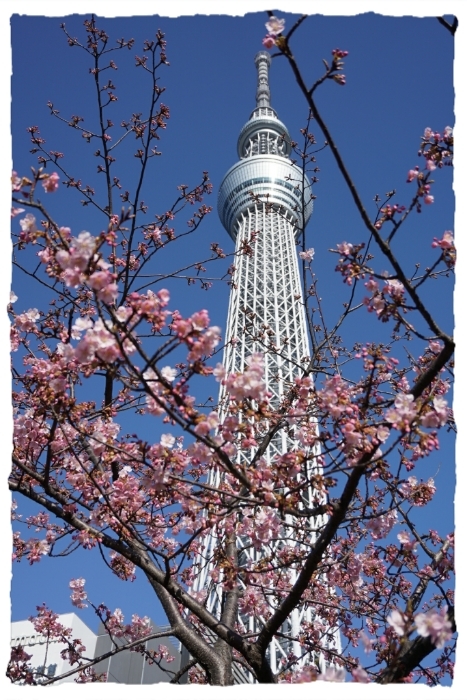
(265, 194)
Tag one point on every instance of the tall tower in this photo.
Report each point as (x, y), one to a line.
(264, 194)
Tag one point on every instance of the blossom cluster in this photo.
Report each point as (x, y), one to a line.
(138, 628)
(386, 302)
(437, 148)
(196, 333)
(448, 249)
(261, 526)
(337, 64)
(275, 27)
(349, 265)
(248, 384)
(434, 624)
(78, 594)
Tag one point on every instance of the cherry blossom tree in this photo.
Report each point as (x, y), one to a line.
(374, 571)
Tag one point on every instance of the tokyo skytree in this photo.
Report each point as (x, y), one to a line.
(266, 196)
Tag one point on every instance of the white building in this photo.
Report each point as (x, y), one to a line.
(126, 667)
(46, 658)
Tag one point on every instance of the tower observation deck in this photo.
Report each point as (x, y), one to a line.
(264, 168)
(266, 196)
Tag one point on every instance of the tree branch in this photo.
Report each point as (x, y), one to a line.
(450, 27)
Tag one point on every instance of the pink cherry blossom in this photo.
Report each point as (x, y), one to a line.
(204, 344)
(419, 494)
(27, 321)
(167, 440)
(103, 282)
(406, 541)
(436, 625)
(308, 255)
(164, 653)
(163, 296)
(399, 622)
(28, 224)
(261, 526)
(37, 549)
(345, 248)
(81, 324)
(249, 383)
(16, 181)
(394, 288)
(182, 327)
(78, 594)
(50, 183)
(382, 433)
(413, 174)
(208, 423)
(360, 675)
(169, 373)
(275, 25)
(445, 243)
(200, 320)
(269, 41)
(115, 623)
(253, 603)
(403, 411)
(307, 674)
(437, 417)
(75, 260)
(98, 342)
(381, 526)
(139, 627)
(153, 405)
(46, 623)
(372, 285)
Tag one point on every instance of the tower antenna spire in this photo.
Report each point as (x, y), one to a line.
(263, 93)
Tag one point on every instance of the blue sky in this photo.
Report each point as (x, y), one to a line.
(399, 80)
